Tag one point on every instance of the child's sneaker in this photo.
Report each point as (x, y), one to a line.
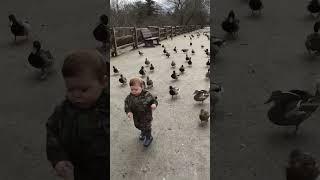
(141, 136)
(147, 141)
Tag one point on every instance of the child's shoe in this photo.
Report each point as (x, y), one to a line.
(147, 141)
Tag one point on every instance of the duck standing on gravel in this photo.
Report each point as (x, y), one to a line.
(313, 7)
(293, 107)
(174, 75)
(151, 67)
(175, 49)
(255, 5)
(173, 91)
(168, 54)
(40, 59)
(101, 32)
(122, 80)
(231, 24)
(115, 70)
(200, 95)
(313, 40)
(181, 69)
(302, 166)
(147, 62)
(149, 83)
(173, 64)
(204, 116)
(142, 71)
(19, 28)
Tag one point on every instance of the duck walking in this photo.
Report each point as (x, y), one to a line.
(255, 5)
(293, 107)
(204, 116)
(200, 95)
(173, 64)
(142, 71)
(174, 75)
(115, 70)
(181, 69)
(149, 83)
(19, 28)
(147, 62)
(40, 59)
(151, 67)
(231, 24)
(122, 80)
(173, 91)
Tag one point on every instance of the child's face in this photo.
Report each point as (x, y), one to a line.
(83, 91)
(136, 89)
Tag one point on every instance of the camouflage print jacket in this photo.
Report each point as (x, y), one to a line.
(78, 135)
(140, 105)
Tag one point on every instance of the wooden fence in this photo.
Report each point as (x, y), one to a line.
(122, 37)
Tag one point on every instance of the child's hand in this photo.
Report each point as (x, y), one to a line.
(153, 106)
(64, 169)
(129, 115)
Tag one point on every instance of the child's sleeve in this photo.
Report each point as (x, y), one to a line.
(127, 105)
(54, 148)
(151, 99)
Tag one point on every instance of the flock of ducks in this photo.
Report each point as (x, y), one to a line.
(199, 95)
(42, 59)
(293, 107)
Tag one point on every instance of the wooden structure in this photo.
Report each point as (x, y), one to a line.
(148, 38)
(122, 37)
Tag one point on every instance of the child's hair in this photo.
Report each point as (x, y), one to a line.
(138, 81)
(83, 60)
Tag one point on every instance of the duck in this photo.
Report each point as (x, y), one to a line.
(187, 57)
(312, 42)
(255, 5)
(175, 49)
(164, 51)
(293, 107)
(19, 28)
(190, 43)
(149, 83)
(190, 62)
(192, 51)
(302, 165)
(174, 75)
(122, 80)
(202, 46)
(147, 62)
(173, 64)
(142, 71)
(40, 59)
(184, 50)
(181, 69)
(173, 91)
(231, 24)
(184, 36)
(151, 67)
(204, 116)
(208, 53)
(168, 54)
(115, 70)
(162, 46)
(101, 32)
(208, 74)
(216, 91)
(140, 53)
(208, 62)
(313, 7)
(200, 95)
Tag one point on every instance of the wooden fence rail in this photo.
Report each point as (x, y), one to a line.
(122, 37)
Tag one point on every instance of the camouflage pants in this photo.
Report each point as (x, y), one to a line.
(143, 123)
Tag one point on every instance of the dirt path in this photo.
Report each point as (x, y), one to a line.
(246, 145)
(180, 148)
(27, 102)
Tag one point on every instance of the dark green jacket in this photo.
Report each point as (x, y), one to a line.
(140, 105)
(79, 135)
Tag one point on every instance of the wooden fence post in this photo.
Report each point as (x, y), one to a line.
(114, 42)
(135, 37)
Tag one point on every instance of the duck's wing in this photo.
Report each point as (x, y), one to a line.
(304, 95)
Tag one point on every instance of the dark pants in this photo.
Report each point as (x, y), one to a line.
(92, 170)
(143, 124)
